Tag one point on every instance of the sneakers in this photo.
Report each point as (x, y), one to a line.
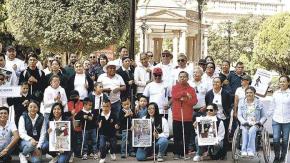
(160, 159)
(102, 160)
(95, 156)
(176, 157)
(71, 159)
(22, 158)
(244, 154)
(113, 157)
(85, 157)
(196, 158)
(54, 160)
(132, 154)
(251, 154)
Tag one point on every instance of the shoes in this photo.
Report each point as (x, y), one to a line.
(185, 158)
(123, 156)
(113, 157)
(54, 160)
(132, 154)
(176, 157)
(85, 157)
(160, 159)
(22, 158)
(244, 154)
(251, 154)
(71, 159)
(196, 158)
(102, 160)
(96, 156)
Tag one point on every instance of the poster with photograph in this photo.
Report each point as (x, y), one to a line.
(207, 130)
(59, 137)
(6, 74)
(261, 81)
(142, 133)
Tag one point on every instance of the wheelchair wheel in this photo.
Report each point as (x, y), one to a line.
(266, 146)
(235, 145)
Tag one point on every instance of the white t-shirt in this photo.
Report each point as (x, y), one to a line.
(218, 101)
(166, 73)
(19, 63)
(200, 90)
(49, 95)
(6, 134)
(208, 80)
(158, 93)
(240, 92)
(141, 76)
(112, 83)
(80, 85)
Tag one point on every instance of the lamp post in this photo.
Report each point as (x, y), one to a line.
(200, 4)
(229, 30)
(132, 29)
(144, 27)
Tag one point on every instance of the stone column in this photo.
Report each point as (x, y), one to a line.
(175, 48)
(205, 47)
(182, 42)
(157, 48)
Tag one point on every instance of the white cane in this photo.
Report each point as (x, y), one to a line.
(127, 138)
(154, 158)
(83, 137)
(287, 150)
(183, 138)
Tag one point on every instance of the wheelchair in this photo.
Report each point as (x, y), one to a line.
(262, 143)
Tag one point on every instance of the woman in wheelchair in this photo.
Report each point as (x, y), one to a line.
(215, 151)
(251, 116)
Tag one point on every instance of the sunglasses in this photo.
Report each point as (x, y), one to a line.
(181, 60)
(209, 110)
(157, 75)
(92, 56)
(166, 55)
(150, 55)
(209, 67)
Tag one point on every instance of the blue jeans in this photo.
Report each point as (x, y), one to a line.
(6, 157)
(281, 130)
(161, 145)
(249, 139)
(129, 141)
(26, 148)
(77, 142)
(62, 158)
(115, 109)
(104, 147)
(90, 134)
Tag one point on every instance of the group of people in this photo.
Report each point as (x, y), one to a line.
(101, 97)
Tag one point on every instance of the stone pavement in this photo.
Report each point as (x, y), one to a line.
(168, 159)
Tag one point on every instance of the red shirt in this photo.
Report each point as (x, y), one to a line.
(179, 91)
(76, 108)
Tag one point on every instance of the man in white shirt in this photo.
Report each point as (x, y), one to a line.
(182, 66)
(209, 75)
(166, 67)
(9, 135)
(123, 52)
(12, 62)
(112, 85)
(158, 91)
(11, 78)
(142, 74)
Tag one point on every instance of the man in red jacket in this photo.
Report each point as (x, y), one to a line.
(183, 100)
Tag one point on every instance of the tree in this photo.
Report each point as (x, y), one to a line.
(67, 25)
(243, 32)
(272, 43)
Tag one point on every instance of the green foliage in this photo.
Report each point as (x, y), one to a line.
(272, 44)
(68, 25)
(243, 32)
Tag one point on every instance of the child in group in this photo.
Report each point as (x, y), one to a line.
(107, 128)
(74, 106)
(141, 107)
(88, 120)
(215, 151)
(125, 123)
(97, 96)
(20, 103)
(52, 94)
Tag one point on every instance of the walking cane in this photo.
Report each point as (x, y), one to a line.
(83, 137)
(183, 138)
(154, 158)
(127, 137)
(100, 102)
(287, 150)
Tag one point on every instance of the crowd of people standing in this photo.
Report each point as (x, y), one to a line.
(104, 96)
